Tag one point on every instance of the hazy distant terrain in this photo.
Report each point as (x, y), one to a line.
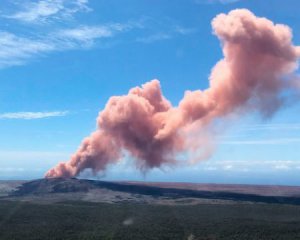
(86, 209)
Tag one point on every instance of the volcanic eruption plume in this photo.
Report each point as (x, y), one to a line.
(256, 74)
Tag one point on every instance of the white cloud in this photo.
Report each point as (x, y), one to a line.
(32, 115)
(17, 50)
(168, 34)
(183, 31)
(14, 49)
(227, 167)
(282, 167)
(46, 10)
(87, 34)
(249, 165)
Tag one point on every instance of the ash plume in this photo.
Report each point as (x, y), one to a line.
(257, 74)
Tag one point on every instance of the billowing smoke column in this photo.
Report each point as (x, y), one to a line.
(255, 75)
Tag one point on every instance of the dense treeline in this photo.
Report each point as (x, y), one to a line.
(81, 220)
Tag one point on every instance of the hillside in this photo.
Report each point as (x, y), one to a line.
(58, 189)
(72, 208)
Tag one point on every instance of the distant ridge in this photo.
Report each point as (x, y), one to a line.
(160, 190)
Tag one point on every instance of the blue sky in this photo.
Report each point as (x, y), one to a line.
(60, 60)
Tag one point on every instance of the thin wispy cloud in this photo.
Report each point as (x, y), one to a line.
(248, 166)
(282, 167)
(87, 34)
(47, 10)
(21, 47)
(183, 31)
(165, 35)
(18, 50)
(14, 50)
(32, 115)
(227, 167)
